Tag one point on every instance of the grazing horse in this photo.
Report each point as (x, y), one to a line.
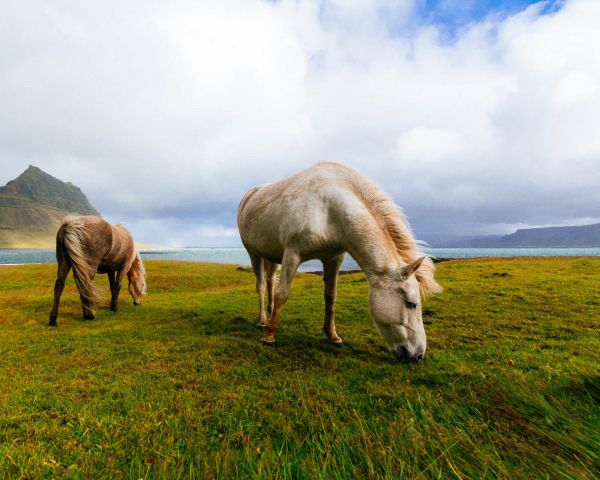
(91, 245)
(321, 213)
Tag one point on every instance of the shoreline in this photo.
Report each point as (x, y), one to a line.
(18, 264)
(248, 268)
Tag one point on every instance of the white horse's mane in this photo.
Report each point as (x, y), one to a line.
(393, 223)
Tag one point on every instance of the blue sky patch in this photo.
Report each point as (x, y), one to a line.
(451, 15)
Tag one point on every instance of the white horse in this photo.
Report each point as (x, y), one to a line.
(321, 213)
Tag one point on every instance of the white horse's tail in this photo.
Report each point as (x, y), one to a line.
(74, 235)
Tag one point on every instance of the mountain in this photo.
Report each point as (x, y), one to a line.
(32, 207)
(548, 237)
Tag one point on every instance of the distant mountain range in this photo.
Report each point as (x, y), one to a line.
(32, 207)
(548, 237)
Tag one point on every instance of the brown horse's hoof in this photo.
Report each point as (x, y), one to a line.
(89, 317)
(338, 344)
(52, 323)
(114, 309)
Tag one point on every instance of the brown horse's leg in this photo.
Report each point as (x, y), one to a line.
(112, 282)
(59, 285)
(116, 290)
(258, 267)
(289, 265)
(330, 275)
(271, 269)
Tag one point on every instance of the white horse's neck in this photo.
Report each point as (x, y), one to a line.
(372, 249)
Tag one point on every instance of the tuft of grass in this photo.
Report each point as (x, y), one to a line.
(181, 388)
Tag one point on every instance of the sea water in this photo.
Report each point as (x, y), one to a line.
(240, 257)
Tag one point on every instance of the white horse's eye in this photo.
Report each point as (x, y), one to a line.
(411, 305)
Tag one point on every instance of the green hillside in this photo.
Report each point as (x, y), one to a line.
(32, 206)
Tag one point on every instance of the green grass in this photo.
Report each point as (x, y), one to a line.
(181, 388)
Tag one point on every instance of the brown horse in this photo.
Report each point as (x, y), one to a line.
(91, 245)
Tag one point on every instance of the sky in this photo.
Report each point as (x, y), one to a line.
(477, 117)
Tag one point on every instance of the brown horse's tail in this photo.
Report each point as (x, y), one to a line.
(74, 235)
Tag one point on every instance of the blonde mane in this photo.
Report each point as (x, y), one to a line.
(393, 223)
(142, 271)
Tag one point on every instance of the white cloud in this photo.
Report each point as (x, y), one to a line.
(424, 144)
(176, 109)
(176, 232)
(575, 87)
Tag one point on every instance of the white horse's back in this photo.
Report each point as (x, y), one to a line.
(299, 210)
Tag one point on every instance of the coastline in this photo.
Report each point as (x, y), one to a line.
(238, 256)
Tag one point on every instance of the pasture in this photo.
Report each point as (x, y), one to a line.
(180, 387)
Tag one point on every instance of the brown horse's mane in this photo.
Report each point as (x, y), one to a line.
(141, 268)
(137, 262)
(393, 223)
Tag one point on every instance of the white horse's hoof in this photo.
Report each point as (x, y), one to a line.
(262, 326)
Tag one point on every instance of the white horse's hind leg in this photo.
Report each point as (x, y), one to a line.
(271, 269)
(257, 266)
(289, 265)
(330, 275)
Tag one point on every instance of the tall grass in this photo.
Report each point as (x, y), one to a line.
(181, 388)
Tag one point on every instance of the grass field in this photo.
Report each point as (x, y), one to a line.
(181, 388)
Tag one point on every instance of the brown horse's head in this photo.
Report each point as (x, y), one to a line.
(137, 280)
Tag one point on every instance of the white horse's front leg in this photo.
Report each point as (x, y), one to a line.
(289, 265)
(331, 270)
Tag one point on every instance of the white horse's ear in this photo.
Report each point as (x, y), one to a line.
(407, 270)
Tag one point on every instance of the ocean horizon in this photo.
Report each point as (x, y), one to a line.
(238, 255)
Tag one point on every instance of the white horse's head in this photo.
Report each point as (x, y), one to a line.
(395, 305)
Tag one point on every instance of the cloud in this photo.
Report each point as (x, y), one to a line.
(166, 115)
(575, 87)
(429, 145)
(177, 232)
